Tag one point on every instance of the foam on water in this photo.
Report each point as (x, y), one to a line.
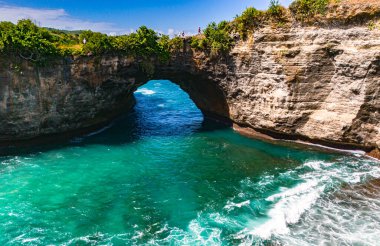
(288, 208)
(231, 205)
(163, 176)
(145, 91)
(298, 213)
(356, 153)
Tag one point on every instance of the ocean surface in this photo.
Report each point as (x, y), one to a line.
(162, 175)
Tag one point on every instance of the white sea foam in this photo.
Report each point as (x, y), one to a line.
(289, 205)
(357, 153)
(347, 217)
(292, 203)
(317, 165)
(231, 205)
(145, 91)
(198, 232)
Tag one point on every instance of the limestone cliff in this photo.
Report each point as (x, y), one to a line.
(320, 84)
(64, 96)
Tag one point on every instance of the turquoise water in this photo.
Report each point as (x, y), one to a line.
(161, 175)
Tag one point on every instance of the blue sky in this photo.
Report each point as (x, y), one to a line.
(111, 16)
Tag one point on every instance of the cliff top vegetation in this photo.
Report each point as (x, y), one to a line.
(37, 44)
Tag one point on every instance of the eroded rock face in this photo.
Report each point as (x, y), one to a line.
(316, 84)
(64, 96)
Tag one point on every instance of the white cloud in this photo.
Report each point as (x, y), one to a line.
(55, 18)
(171, 32)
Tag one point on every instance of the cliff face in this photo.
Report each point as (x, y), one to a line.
(317, 84)
(65, 96)
(310, 83)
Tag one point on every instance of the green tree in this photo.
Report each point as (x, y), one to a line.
(28, 41)
(95, 42)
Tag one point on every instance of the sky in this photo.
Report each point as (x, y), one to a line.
(124, 16)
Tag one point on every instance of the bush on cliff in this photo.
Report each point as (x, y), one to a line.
(28, 41)
(176, 44)
(306, 9)
(143, 43)
(5, 27)
(249, 20)
(252, 19)
(276, 13)
(146, 43)
(36, 44)
(96, 43)
(216, 39)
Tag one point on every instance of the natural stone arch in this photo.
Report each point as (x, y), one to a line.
(205, 94)
(82, 94)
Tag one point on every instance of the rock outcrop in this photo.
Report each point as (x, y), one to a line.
(316, 84)
(320, 84)
(62, 97)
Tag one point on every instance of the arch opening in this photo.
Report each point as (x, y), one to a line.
(165, 108)
(204, 92)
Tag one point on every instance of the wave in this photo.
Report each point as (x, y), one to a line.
(145, 91)
(288, 207)
(301, 214)
(231, 205)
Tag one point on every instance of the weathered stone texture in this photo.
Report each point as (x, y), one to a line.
(318, 84)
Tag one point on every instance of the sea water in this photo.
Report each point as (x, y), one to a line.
(162, 175)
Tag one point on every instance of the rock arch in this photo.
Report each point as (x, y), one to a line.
(82, 94)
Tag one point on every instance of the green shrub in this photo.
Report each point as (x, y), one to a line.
(37, 44)
(274, 8)
(216, 39)
(146, 42)
(96, 42)
(176, 44)
(28, 41)
(163, 42)
(276, 12)
(249, 20)
(306, 9)
(198, 42)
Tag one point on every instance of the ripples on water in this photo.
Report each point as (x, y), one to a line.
(161, 175)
